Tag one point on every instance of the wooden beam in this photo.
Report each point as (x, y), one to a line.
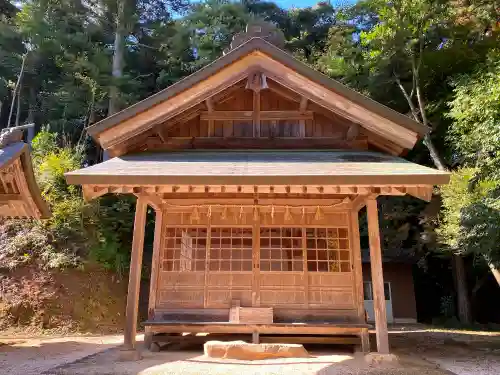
(381, 142)
(5, 198)
(421, 192)
(175, 143)
(303, 104)
(152, 199)
(302, 109)
(256, 113)
(210, 109)
(134, 281)
(357, 265)
(377, 277)
(248, 115)
(358, 203)
(91, 192)
(256, 81)
(155, 263)
(179, 120)
(228, 93)
(283, 91)
(352, 132)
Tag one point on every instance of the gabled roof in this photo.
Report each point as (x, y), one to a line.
(308, 82)
(19, 194)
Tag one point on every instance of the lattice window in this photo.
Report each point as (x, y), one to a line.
(281, 249)
(231, 249)
(328, 250)
(185, 249)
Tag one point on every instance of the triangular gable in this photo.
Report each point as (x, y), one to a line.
(257, 55)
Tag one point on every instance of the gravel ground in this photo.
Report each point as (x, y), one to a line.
(191, 361)
(459, 352)
(421, 352)
(33, 356)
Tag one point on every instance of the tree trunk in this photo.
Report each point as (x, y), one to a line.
(118, 55)
(460, 279)
(459, 276)
(16, 88)
(18, 110)
(494, 271)
(435, 156)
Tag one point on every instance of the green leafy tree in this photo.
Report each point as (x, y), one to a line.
(471, 203)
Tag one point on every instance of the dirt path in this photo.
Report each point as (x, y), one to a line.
(34, 356)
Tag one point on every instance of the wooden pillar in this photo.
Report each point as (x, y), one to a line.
(155, 264)
(377, 277)
(358, 277)
(134, 280)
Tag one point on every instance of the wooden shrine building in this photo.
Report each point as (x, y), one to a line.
(257, 167)
(20, 196)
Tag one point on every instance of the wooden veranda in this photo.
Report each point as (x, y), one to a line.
(257, 167)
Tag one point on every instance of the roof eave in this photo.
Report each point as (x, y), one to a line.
(35, 192)
(77, 178)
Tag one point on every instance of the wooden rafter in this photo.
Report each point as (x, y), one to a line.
(149, 192)
(284, 92)
(91, 192)
(352, 132)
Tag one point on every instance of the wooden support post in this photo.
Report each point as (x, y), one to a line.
(256, 113)
(210, 108)
(357, 265)
(377, 277)
(255, 338)
(155, 264)
(365, 341)
(134, 280)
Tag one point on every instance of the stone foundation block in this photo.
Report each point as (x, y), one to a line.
(245, 351)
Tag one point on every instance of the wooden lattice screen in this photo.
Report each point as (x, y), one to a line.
(210, 266)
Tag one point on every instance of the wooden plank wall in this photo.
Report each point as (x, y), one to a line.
(209, 288)
(320, 126)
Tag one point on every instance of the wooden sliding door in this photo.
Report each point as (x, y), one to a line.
(259, 264)
(282, 268)
(230, 270)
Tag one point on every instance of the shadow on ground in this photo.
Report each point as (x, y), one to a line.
(35, 356)
(189, 359)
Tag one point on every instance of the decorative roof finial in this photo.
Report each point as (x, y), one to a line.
(259, 29)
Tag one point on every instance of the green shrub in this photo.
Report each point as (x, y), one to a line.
(77, 231)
